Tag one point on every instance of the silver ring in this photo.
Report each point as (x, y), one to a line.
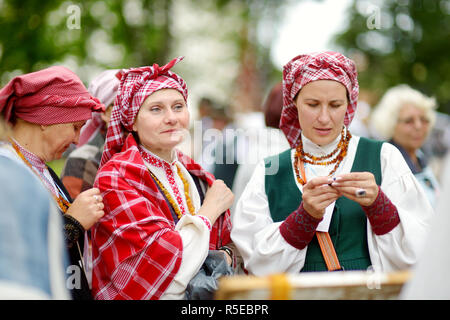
(360, 193)
(96, 198)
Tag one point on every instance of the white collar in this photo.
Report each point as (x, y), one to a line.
(311, 147)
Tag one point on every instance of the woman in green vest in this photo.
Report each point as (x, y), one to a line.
(333, 201)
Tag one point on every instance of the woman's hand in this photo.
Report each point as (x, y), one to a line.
(218, 199)
(318, 195)
(87, 208)
(357, 186)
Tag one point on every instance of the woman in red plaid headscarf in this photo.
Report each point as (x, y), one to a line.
(163, 211)
(333, 201)
(47, 110)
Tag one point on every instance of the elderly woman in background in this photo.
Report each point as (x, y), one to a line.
(163, 211)
(405, 116)
(47, 110)
(337, 201)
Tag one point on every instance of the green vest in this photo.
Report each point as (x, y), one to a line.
(348, 226)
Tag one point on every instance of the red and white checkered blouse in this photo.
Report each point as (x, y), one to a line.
(136, 250)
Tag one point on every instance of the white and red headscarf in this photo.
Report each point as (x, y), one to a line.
(49, 96)
(136, 85)
(104, 87)
(311, 67)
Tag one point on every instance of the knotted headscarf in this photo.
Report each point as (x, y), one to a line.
(104, 87)
(49, 96)
(136, 85)
(311, 67)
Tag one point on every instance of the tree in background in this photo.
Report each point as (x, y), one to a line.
(87, 35)
(401, 41)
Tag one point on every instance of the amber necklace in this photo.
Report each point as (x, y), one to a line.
(301, 156)
(62, 203)
(171, 200)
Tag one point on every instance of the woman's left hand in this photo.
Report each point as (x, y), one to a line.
(357, 186)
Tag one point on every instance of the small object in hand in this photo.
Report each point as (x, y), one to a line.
(360, 193)
(331, 180)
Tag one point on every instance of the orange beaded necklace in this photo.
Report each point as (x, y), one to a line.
(174, 205)
(301, 156)
(62, 203)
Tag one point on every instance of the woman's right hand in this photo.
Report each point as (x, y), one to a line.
(87, 208)
(318, 195)
(218, 199)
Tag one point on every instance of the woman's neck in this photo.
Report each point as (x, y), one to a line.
(30, 138)
(311, 147)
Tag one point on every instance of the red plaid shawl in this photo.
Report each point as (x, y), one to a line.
(136, 251)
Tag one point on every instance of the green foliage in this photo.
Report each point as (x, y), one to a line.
(403, 41)
(110, 34)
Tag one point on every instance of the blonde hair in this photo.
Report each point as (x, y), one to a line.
(385, 115)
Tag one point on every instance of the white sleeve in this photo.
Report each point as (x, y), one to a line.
(195, 238)
(257, 237)
(400, 248)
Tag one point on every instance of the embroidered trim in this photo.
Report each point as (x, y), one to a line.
(206, 221)
(299, 228)
(169, 172)
(382, 214)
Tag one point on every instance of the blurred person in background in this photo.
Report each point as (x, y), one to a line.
(338, 201)
(47, 110)
(81, 165)
(430, 277)
(164, 213)
(225, 151)
(268, 140)
(404, 117)
(32, 253)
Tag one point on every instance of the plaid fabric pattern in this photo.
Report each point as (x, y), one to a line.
(136, 85)
(136, 250)
(49, 96)
(82, 165)
(310, 67)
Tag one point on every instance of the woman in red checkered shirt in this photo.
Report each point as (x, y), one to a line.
(163, 212)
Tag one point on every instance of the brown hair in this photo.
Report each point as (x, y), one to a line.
(273, 105)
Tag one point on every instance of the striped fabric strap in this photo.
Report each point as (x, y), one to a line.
(328, 252)
(325, 243)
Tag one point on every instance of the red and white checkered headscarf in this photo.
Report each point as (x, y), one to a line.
(311, 67)
(49, 96)
(136, 85)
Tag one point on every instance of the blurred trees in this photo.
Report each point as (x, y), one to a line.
(401, 41)
(88, 36)
(103, 34)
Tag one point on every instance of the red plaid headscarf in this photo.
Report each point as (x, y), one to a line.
(136, 85)
(49, 96)
(311, 67)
